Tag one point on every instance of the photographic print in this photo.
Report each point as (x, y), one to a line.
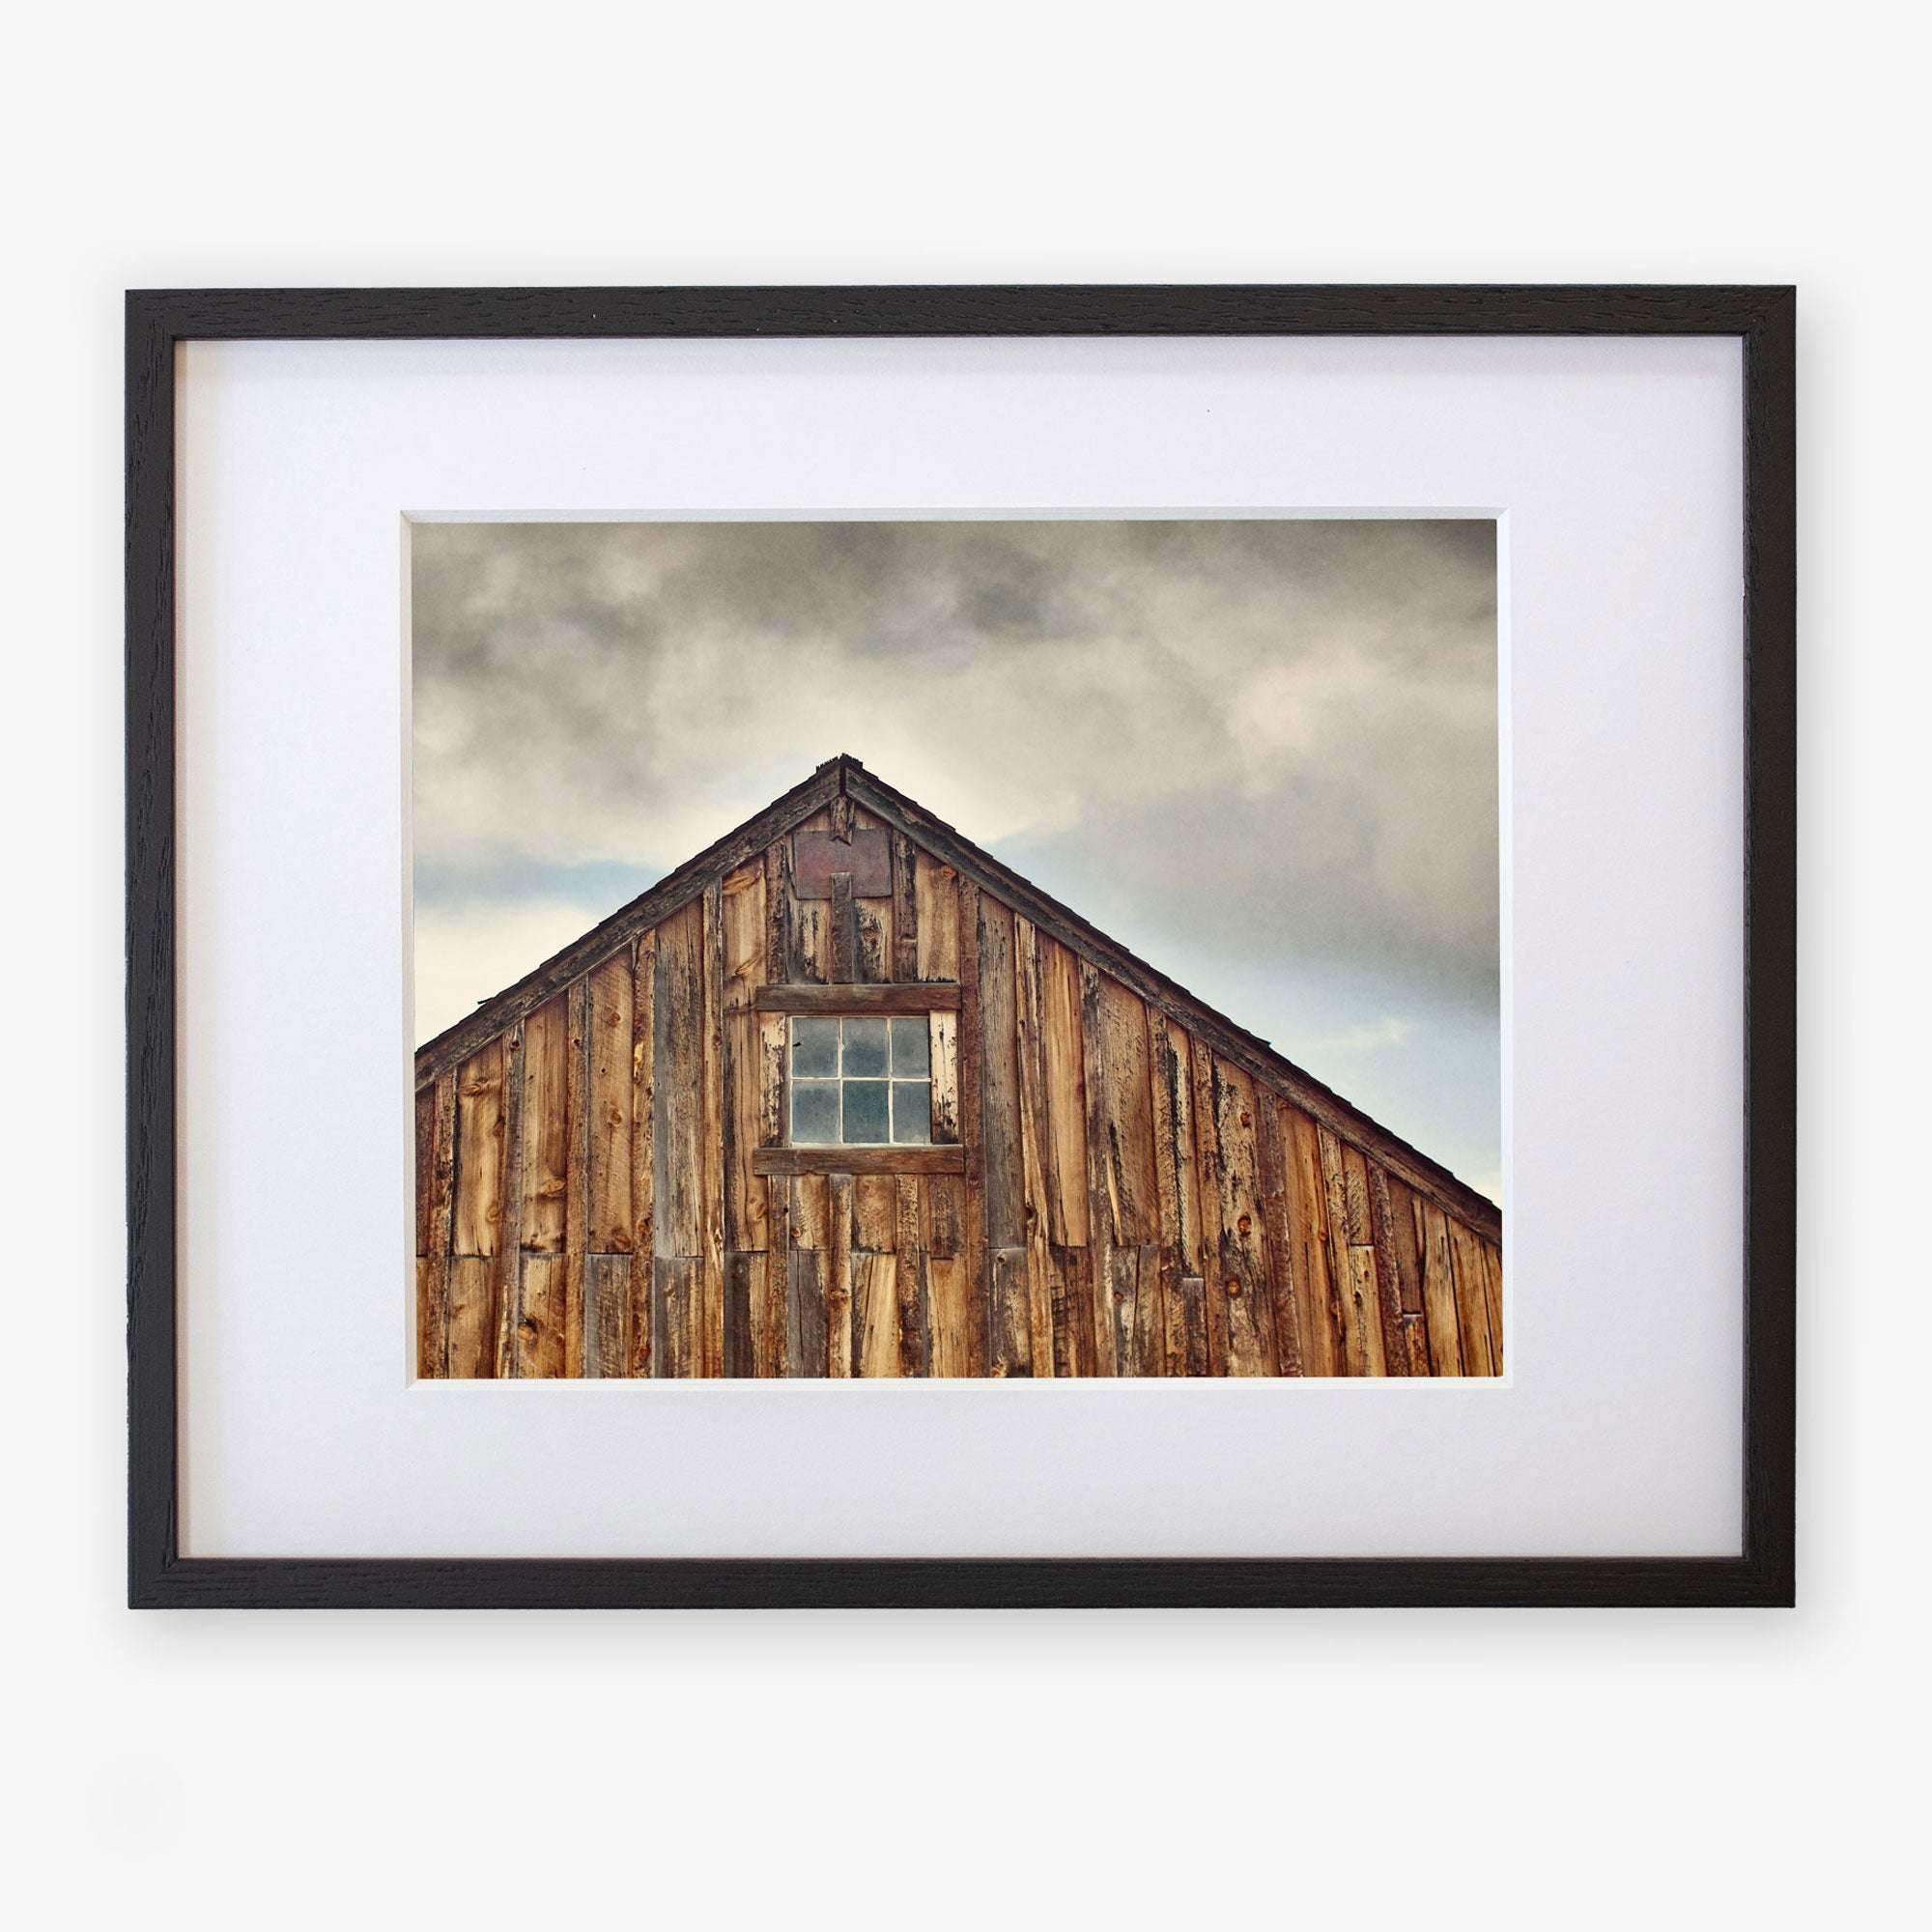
(1060, 947)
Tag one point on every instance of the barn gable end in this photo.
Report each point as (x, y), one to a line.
(1119, 1181)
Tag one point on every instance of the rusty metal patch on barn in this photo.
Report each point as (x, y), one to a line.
(866, 855)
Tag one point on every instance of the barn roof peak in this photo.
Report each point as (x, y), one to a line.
(844, 766)
(844, 777)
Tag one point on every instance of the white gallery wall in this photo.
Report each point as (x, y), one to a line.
(1378, 1767)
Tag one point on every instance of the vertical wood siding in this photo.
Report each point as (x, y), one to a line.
(1130, 1201)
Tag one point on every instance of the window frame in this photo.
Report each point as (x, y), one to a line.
(839, 1079)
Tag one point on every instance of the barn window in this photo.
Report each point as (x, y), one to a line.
(859, 1082)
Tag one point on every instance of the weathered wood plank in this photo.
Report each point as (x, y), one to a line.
(943, 1043)
(541, 1336)
(479, 1153)
(949, 1293)
(774, 1037)
(577, 1167)
(806, 1345)
(718, 1131)
(1070, 1289)
(1407, 1236)
(844, 930)
(1364, 1278)
(1009, 1331)
(971, 1129)
(779, 914)
(442, 1171)
(945, 1196)
(546, 1126)
(1102, 1209)
(773, 1317)
(1243, 1258)
(1208, 1188)
(1283, 1288)
(1472, 1311)
(609, 1348)
(1364, 1288)
(611, 1041)
(1135, 1298)
(875, 1315)
(1335, 1204)
(1322, 1344)
(507, 1282)
(743, 1298)
(875, 1208)
(675, 1290)
(936, 918)
(1125, 1079)
(811, 942)
(811, 946)
(1030, 1057)
(1006, 1187)
(435, 1194)
(812, 1211)
(1402, 1342)
(679, 1147)
(909, 997)
(425, 1164)
(1438, 1291)
(643, 1111)
(905, 910)
(893, 1160)
(839, 1279)
(1176, 1194)
(609, 1072)
(1193, 1325)
(432, 1317)
(680, 1142)
(874, 939)
(744, 1075)
(1068, 1221)
(1492, 1263)
(472, 1345)
(915, 1292)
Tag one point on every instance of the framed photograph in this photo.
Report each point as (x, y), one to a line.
(971, 945)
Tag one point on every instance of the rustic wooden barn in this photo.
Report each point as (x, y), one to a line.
(844, 1095)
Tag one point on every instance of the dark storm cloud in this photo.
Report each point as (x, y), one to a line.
(1294, 717)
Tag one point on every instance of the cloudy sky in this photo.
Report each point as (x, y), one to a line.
(1263, 755)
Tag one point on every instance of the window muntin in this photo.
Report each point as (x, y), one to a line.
(861, 1082)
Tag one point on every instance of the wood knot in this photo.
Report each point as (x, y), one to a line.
(1234, 1287)
(1243, 1224)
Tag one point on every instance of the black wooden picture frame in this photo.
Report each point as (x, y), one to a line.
(1762, 318)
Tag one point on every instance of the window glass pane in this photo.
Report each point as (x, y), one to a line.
(815, 1112)
(865, 1111)
(911, 1051)
(815, 1047)
(912, 1111)
(865, 1050)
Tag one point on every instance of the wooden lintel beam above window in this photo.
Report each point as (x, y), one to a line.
(857, 1160)
(909, 996)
